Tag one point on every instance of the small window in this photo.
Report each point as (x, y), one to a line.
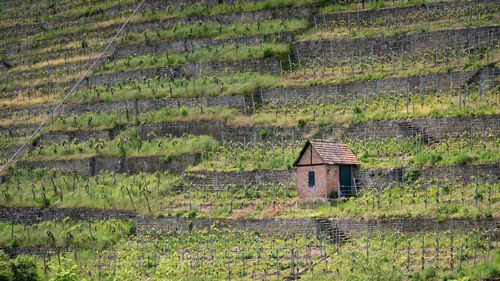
(311, 179)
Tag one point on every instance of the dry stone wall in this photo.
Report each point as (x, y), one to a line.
(408, 15)
(355, 227)
(455, 173)
(343, 49)
(351, 227)
(33, 215)
(161, 47)
(437, 128)
(331, 93)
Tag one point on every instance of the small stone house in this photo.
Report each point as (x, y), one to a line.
(324, 166)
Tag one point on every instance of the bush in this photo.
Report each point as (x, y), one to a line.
(179, 212)
(184, 112)
(262, 133)
(461, 159)
(4, 267)
(13, 243)
(192, 214)
(411, 174)
(427, 158)
(267, 53)
(301, 122)
(430, 273)
(24, 268)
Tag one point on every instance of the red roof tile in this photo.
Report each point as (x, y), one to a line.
(332, 153)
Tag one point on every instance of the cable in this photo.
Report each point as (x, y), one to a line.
(71, 91)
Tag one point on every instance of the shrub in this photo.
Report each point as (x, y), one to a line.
(24, 268)
(191, 214)
(184, 112)
(179, 212)
(262, 133)
(411, 174)
(13, 243)
(267, 52)
(461, 159)
(430, 273)
(301, 122)
(357, 110)
(4, 268)
(427, 158)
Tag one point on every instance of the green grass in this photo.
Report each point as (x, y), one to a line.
(65, 234)
(206, 85)
(203, 254)
(224, 8)
(216, 31)
(342, 31)
(231, 52)
(127, 144)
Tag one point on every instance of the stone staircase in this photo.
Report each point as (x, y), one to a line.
(333, 232)
(408, 129)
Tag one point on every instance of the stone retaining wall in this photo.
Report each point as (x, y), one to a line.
(407, 15)
(332, 93)
(267, 65)
(456, 173)
(343, 49)
(33, 215)
(352, 227)
(438, 129)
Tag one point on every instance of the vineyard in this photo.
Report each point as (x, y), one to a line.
(153, 140)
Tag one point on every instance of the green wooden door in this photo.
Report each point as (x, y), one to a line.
(345, 179)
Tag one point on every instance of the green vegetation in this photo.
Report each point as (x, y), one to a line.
(216, 31)
(206, 85)
(342, 30)
(215, 253)
(90, 235)
(224, 8)
(232, 52)
(21, 268)
(127, 144)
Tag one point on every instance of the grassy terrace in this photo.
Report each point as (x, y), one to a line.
(342, 32)
(231, 52)
(212, 254)
(381, 153)
(293, 113)
(216, 31)
(364, 69)
(163, 194)
(286, 113)
(403, 182)
(245, 83)
(229, 31)
(127, 144)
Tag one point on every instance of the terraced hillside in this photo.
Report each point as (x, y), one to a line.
(170, 130)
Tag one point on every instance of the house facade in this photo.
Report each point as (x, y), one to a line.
(323, 167)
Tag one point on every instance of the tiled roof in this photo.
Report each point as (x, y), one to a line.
(334, 153)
